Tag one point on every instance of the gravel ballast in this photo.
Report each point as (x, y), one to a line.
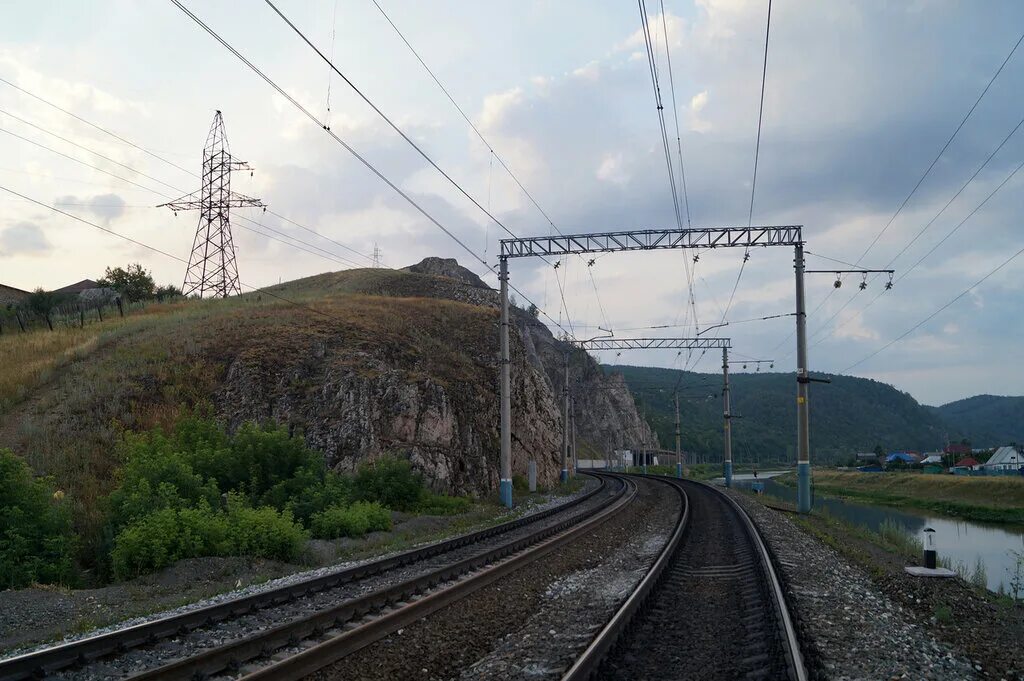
(34, 614)
(534, 622)
(850, 629)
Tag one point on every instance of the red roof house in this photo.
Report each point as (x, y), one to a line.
(967, 462)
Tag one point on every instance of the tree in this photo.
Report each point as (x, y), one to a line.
(166, 292)
(132, 282)
(42, 303)
(878, 450)
(533, 310)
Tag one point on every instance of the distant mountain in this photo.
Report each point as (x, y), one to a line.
(986, 420)
(848, 415)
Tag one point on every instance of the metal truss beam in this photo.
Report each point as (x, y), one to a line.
(652, 343)
(652, 239)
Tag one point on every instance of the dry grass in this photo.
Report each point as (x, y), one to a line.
(997, 498)
(72, 393)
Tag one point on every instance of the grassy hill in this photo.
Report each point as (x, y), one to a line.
(848, 415)
(987, 420)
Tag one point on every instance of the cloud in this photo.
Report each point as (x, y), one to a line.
(107, 207)
(697, 104)
(23, 238)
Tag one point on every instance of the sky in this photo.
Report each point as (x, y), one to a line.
(859, 99)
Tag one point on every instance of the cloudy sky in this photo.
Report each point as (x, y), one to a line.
(860, 98)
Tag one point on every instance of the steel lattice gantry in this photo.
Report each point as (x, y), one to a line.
(653, 344)
(678, 344)
(649, 240)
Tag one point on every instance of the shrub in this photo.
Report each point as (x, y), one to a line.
(442, 504)
(389, 481)
(36, 539)
(157, 475)
(168, 535)
(263, 532)
(350, 521)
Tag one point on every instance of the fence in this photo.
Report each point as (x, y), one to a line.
(66, 315)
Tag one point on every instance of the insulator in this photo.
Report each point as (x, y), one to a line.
(837, 284)
(590, 263)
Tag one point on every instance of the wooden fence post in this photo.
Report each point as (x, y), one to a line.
(49, 322)
(21, 322)
(81, 316)
(120, 307)
(99, 310)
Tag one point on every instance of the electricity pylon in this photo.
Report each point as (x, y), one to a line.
(211, 266)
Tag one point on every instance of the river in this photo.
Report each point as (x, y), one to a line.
(958, 541)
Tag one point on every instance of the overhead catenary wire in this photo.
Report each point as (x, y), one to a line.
(359, 157)
(757, 155)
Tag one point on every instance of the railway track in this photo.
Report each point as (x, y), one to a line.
(711, 606)
(330, 613)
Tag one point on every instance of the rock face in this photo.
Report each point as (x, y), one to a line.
(381, 400)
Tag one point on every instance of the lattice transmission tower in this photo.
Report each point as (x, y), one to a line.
(211, 266)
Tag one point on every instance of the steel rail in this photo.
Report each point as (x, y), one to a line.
(38, 663)
(588, 664)
(399, 605)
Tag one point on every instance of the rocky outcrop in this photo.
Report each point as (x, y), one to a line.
(359, 402)
(356, 411)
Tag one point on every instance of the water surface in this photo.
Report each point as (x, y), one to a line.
(959, 541)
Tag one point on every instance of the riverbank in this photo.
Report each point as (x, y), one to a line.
(866, 618)
(982, 499)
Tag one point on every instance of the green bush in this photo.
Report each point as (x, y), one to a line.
(442, 504)
(171, 534)
(168, 535)
(263, 532)
(391, 482)
(36, 539)
(350, 521)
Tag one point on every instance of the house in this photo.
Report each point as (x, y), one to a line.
(968, 462)
(932, 457)
(1009, 458)
(958, 449)
(12, 296)
(867, 456)
(905, 457)
(78, 287)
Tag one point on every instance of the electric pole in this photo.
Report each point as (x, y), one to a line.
(211, 266)
(803, 444)
(505, 462)
(727, 460)
(564, 477)
(679, 451)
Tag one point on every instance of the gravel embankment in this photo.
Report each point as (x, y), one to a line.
(535, 622)
(32, 615)
(850, 629)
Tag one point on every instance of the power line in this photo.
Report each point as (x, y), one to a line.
(152, 154)
(933, 249)
(369, 166)
(935, 313)
(943, 149)
(393, 125)
(904, 274)
(493, 155)
(913, 191)
(93, 125)
(335, 258)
